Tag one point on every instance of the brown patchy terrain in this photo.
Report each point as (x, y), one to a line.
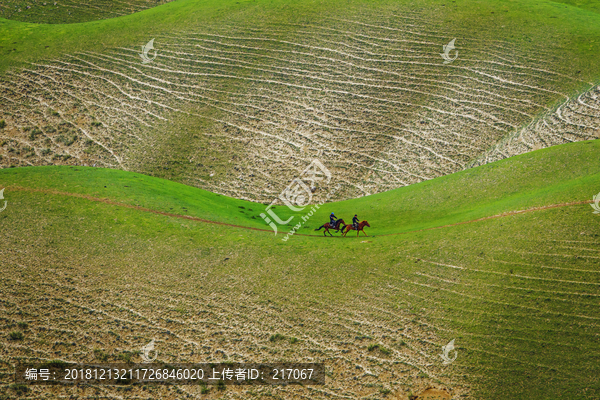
(95, 286)
(241, 109)
(94, 265)
(71, 11)
(573, 119)
(87, 275)
(90, 302)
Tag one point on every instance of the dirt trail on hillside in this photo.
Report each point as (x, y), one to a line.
(116, 203)
(189, 217)
(505, 214)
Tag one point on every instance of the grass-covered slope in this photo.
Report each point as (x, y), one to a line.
(239, 90)
(71, 11)
(531, 180)
(588, 5)
(576, 30)
(518, 293)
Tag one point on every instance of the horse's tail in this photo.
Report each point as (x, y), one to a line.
(319, 228)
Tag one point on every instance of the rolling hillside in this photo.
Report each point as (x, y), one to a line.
(71, 11)
(242, 95)
(528, 181)
(136, 184)
(518, 293)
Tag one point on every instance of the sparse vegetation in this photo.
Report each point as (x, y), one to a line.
(19, 389)
(67, 140)
(125, 356)
(72, 11)
(383, 349)
(34, 133)
(276, 337)
(16, 335)
(100, 355)
(63, 157)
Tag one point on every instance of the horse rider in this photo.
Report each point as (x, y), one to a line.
(355, 222)
(332, 220)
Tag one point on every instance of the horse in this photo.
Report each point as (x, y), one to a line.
(327, 226)
(361, 225)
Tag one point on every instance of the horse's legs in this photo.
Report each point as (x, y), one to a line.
(365, 233)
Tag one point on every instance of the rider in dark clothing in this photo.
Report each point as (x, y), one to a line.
(332, 220)
(355, 222)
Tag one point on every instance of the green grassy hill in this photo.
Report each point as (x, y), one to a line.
(524, 21)
(71, 11)
(241, 89)
(163, 239)
(531, 180)
(519, 293)
(588, 5)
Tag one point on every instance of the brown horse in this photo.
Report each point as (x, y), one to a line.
(361, 225)
(327, 226)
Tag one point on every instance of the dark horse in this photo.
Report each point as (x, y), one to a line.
(336, 227)
(360, 228)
